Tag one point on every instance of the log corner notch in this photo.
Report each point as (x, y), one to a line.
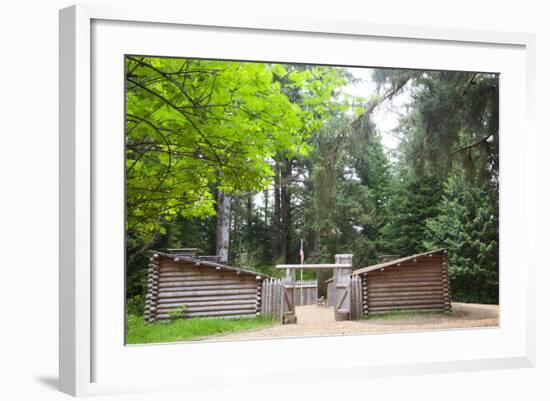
(183, 282)
(151, 298)
(259, 282)
(416, 282)
(445, 280)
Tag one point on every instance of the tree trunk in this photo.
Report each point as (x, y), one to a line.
(281, 214)
(249, 221)
(277, 212)
(223, 226)
(286, 181)
(266, 205)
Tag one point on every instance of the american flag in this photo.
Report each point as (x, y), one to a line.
(302, 251)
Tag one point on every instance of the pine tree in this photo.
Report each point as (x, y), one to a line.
(414, 200)
(467, 223)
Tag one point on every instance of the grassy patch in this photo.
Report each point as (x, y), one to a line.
(137, 332)
(394, 315)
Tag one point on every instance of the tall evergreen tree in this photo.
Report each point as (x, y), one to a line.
(467, 223)
(413, 201)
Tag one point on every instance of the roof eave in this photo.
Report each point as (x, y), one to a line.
(397, 261)
(198, 262)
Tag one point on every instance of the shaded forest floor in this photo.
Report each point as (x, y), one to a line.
(319, 321)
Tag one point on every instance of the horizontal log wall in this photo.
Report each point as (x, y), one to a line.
(418, 284)
(203, 291)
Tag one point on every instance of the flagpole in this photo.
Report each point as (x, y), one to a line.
(302, 274)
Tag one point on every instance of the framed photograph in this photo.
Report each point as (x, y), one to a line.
(238, 192)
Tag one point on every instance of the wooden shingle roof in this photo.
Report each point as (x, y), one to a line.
(397, 261)
(197, 261)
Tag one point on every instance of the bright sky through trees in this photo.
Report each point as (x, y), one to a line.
(386, 116)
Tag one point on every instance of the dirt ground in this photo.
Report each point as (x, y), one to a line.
(319, 321)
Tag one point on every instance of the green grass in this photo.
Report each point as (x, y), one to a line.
(394, 315)
(137, 332)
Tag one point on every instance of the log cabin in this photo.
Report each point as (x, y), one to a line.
(182, 283)
(416, 282)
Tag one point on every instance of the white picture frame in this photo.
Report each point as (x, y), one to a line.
(85, 329)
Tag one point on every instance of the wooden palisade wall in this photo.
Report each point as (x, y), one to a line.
(356, 298)
(417, 284)
(305, 292)
(271, 304)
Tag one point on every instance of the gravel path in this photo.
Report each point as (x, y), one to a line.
(319, 321)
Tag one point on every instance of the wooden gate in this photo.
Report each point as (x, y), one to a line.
(342, 290)
(289, 302)
(305, 292)
(342, 281)
(278, 300)
(279, 297)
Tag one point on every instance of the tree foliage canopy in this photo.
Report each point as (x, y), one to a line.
(453, 117)
(194, 126)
